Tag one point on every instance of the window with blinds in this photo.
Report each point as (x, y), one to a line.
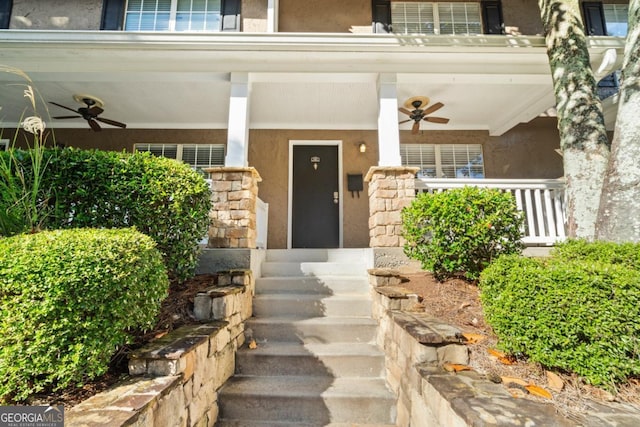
(173, 15)
(198, 156)
(444, 160)
(617, 17)
(436, 18)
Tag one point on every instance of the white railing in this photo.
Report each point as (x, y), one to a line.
(541, 200)
(262, 223)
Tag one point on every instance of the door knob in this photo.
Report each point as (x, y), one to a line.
(336, 197)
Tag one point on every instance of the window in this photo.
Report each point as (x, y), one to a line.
(616, 17)
(198, 156)
(435, 18)
(173, 15)
(4, 144)
(444, 160)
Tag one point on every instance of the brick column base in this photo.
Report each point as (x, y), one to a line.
(391, 188)
(234, 192)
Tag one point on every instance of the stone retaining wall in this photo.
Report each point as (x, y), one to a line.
(174, 381)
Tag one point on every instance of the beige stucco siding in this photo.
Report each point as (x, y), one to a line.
(324, 16)
(254, 16)
(57, 15)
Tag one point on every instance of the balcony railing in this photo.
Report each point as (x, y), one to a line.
(541, 200)
(262, 223)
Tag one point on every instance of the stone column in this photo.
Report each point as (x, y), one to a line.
(391, 188)
(234, 192)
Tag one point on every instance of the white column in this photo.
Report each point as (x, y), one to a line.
(238, 128)
(272, 16)
(388, 129)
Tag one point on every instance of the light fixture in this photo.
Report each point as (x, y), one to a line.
(314, 161)
(362, 147)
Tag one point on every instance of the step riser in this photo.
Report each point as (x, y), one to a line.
(317, 255)
(318, 286)
(312, 333)
(309, 410)
(317, 269)
(311, 308)
(337, 365)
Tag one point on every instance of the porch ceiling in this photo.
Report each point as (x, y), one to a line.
(297, 81)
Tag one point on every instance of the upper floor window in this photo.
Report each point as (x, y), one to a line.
(616, 17)
(444, 160)
(436, 18)
(173, 15)
(198, 156)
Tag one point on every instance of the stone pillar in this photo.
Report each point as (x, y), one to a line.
(391, 188)
(234, 192)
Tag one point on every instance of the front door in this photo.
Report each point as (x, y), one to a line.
(315, 203)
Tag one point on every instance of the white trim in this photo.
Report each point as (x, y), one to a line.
(4, 144)
(292, 143)
(272, 16)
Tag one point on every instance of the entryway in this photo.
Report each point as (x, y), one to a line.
(314, 194)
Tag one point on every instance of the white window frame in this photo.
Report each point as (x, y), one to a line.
(438, 159)
(435, 12)
(179, 149)
(4, 144)
(173, 13)
(620, 13)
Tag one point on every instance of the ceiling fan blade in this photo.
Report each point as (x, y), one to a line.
(415, 127)
(436, 120)
(434, 107)
(66, 117)
(94, 125)
(111, 122)
(405, 111)
(62, 106)
(405, 121)
(95, 110)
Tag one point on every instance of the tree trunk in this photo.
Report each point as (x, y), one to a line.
(619, 215)
(583, 136)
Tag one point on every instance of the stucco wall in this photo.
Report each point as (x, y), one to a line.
(324, 16)
(57, 15)
(254, 16)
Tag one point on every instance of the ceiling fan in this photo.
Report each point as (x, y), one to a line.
(416, 108)
(90, 113)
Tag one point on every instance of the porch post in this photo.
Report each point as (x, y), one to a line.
(388, 129)
(390, 189)
(272, 16)
(234, 195)
(238, 127)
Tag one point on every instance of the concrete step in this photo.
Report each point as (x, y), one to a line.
(315, 330)
(335, 359)
(309, 305)
(318, 255)
(317, 269)
(313, 285)
(310, 400)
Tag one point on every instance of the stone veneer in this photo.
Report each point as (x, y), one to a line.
(391, 188)
(234, 194)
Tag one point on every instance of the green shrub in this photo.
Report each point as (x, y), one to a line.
(68, 299)
(459, 232)
(162, 198)
(579, 315)
(627, 254)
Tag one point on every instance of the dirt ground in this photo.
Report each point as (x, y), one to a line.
(457, 302)
(454, 301)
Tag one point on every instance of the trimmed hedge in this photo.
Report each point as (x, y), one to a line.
(575, 311)
(460, 231)
(68, 299)
(162, 198)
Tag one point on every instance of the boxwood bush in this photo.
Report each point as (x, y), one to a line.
(162, 198)
(575, 311)
(460, 231)
(68, 299)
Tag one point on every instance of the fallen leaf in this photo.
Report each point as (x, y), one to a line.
(473, 338)
(455, 367)
(160, 335)
(514, 380)
(554, 381)
(502, 357)
(253, 345)
(538, 391)
(464, 305)
(496, 353)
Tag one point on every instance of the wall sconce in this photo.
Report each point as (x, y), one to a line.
(362, 147)
(314, 161)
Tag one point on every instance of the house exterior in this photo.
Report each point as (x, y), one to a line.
(303, 98)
